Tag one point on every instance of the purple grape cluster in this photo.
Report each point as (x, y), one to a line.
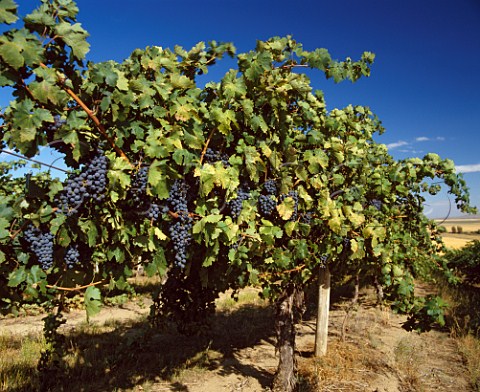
(180, 234)
(376, 203)
(177, 200)
(235, 205)
(212, 156)
(323, 261)
(139, 185)
(144, 204)
(306, 218)
(51, 128)
(72, 256)
(87, 185)
(270, 187)
(41, 244)
(266, 205)
(181, 228)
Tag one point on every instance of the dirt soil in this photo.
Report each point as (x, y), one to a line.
(375, 354)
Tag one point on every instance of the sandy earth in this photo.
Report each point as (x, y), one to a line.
(390, 357)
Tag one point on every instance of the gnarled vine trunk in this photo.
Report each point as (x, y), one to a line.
(288, 308)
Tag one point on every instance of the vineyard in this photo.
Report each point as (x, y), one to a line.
(209, 188)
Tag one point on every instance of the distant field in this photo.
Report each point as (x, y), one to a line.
(470, 231)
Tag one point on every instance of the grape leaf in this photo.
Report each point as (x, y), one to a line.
(8, 10)
(93, 301)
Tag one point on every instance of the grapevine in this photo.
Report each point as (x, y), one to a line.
(245, 181)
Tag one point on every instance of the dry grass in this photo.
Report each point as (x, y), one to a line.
(469, 347)
(409, 355)
(19, 356)
(347, 367)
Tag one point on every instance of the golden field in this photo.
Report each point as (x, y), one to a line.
(470, 230)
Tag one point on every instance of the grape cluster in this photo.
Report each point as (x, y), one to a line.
(306, 218)
(270, 187)
(376, 203)
(51, 128)
(346, 242)
(212, 156)
(180, 234)
(72, 256)
(235, 205)
(266, 205)
(139, 185)
(41, 244)
(294, 196)
(89, 184)
(323, 261)
(180, 229)
(177, 201)
(154, 211)
(143, 202)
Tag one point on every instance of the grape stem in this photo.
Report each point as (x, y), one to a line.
(296, 269)
(76, 288)
(206, 145)
(92, 116)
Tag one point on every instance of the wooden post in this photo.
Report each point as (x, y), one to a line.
(321, 332)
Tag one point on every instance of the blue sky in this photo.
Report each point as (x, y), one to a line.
(425, 83)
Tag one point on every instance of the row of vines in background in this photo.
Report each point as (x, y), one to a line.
(248, 180)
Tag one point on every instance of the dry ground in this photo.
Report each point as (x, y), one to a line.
(376, 354)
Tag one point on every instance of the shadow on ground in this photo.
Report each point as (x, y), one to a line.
(120, 357)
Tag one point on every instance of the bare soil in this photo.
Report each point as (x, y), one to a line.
(374, 354)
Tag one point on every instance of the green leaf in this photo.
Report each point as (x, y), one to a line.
(216, 175)
(8, 11)
(286, 208)
(16, 277)
(46, 91)
(4, 228)
(158, 264)
(75, 37)
(93, 301)
(11, 52)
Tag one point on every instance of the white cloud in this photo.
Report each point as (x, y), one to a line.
(473, 168)
(422, 139)
(440, 138)
(400, 143)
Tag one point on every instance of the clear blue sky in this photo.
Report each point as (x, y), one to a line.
(425, 83)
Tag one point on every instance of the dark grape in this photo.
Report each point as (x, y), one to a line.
(177, 201)
(154, 211)
(41, 244)
(180, 229)
(212, 156)
(306, 218)
(72, 256)
(139, 184)
(87, 185)
(144, 204)
(266, 205)
(270, 187)
(58, 122)
(323, 261)
(235, 205)
(180, 234)
(376, 203)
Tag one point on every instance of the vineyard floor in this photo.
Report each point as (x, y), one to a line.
(117, 351)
